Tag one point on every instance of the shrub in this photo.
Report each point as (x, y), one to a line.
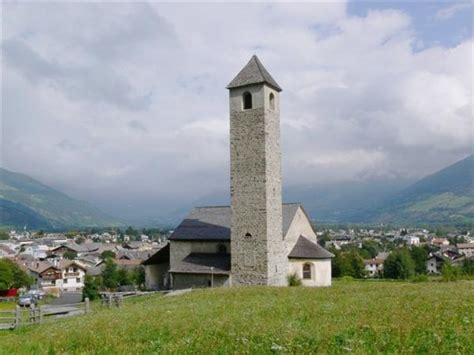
(91, 288)
(450, 272)
(347, 279)
(294, 280)
(420, 278)
(468, 267)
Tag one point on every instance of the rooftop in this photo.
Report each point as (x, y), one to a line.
(253, 73)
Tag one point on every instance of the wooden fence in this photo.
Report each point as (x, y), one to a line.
(11, 319)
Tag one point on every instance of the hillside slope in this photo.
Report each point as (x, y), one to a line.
(358, 317)
(27, 202)
(446, 196)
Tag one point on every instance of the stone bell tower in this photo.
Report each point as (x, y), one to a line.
(257, 247)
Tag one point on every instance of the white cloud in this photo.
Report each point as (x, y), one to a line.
(449, 12)
(129, 99)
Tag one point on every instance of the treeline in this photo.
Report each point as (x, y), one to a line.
(113, 278)
(402, 263)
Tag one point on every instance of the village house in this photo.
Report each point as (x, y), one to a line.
(257, 240)
(466, 249)
(374, 267)
(47, 277)
(73, 274)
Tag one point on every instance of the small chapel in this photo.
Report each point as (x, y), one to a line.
(257, 240)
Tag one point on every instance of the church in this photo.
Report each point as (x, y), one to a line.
(257, 240)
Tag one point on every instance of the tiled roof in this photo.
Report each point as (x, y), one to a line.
(201, 263)
(213, 223)
(307, 249)
(465, 245)
(253, 73)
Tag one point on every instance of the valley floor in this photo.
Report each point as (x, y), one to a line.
(360, 317)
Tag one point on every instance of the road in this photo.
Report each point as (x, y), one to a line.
(67, 298)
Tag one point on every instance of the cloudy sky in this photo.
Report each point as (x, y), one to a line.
(126, 102)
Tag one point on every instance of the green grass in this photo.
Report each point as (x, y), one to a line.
(359, 317)
(446, 201)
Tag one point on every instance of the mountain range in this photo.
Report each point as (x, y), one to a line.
(25, 202)
(445, 197)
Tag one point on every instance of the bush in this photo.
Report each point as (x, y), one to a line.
(347, 279)
(468, 267)
(420, 278)
(294, 280)
(91, 288)
(450, 272)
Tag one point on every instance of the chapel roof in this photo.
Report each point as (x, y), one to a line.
(213, 223)
(307, 249)
(253, 73)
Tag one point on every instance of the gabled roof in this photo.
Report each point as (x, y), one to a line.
(201, 263)
(253, 73)
(307, 249)
(213, 223)
(40, 267)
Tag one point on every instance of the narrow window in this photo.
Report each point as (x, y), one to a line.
(272, 101)
(307, 272)
(247, 97)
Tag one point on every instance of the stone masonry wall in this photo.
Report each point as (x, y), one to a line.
(258, 252)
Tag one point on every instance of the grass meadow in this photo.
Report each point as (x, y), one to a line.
(354, 317)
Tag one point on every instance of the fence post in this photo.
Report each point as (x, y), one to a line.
(17, 316)
(40, 314)
(87, 305)
(110, 301)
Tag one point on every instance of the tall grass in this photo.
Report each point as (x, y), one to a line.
(358, 317)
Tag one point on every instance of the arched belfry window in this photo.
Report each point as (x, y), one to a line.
(247, 100)
(272, 101)
(307, 271)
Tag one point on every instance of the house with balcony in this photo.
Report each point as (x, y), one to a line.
(73, 274)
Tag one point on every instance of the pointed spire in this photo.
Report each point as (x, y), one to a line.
(253, 73)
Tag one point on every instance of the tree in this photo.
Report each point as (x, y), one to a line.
(138, 276)
(110, 274)
(399, 265)
(419, 256)
(326, 236)
(348, 264)
(11, 276)
(107, 254)
(91, 288)
(4, 235)
(468, 267)
(450, 272)
(371, 247)
(124, 277)
(70, 255)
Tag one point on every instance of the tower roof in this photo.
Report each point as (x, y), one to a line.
(253, 73)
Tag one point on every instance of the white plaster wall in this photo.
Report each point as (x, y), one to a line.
(299, 226)
(321, 275)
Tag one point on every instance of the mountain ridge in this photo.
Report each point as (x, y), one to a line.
(28, 202)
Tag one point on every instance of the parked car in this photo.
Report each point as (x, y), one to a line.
(27, 301)
(38, 294)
